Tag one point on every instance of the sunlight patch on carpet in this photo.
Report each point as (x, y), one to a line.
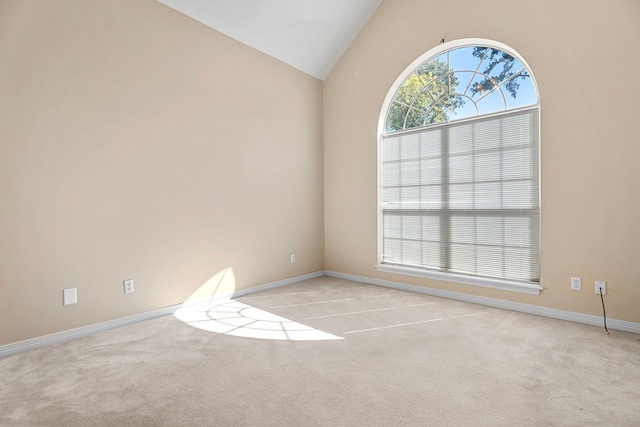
(234, 318)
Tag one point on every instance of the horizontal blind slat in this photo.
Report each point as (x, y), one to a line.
(464, 197)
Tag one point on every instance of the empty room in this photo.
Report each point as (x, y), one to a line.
(319, 213)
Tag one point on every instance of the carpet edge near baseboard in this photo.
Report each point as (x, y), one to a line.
(59, 337)
(62, 336)
(588, 319)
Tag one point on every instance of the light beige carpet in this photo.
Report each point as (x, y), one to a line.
(403, 360)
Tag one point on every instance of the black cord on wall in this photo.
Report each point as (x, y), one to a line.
(604, 313)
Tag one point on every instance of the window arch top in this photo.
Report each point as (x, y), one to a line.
(460, 83)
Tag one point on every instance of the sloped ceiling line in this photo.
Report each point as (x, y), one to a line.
(310, 35)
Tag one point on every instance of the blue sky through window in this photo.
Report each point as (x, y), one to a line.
(473, 99)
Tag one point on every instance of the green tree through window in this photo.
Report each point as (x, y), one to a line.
(501, 64)
(458, 84)
(426, 97)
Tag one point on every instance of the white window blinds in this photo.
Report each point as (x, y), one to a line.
(463, 197)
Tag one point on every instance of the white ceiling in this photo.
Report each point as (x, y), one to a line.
(310, 35)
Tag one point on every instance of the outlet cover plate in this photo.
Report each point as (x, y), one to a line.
(576, 283)
(128, 286)
(601, 284)
(70, 296)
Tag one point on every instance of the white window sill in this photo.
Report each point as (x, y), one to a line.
(505, 285)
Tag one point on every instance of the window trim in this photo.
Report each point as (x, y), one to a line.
(487, 282)
(463, 279)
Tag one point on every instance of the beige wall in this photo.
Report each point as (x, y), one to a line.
(137, 143)
(134, 143)
(584, 55)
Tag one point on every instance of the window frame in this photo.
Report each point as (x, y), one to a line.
(487, 282)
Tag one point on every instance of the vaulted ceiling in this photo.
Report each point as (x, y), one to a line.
(310, 35)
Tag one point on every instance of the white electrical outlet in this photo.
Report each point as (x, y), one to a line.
(70, 296)
(293, 258)
(576, 283)
(128, 286)
(601, 285)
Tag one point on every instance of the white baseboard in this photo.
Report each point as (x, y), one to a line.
(59, 337)
(277, 284)
(220, 298)
(621, 325)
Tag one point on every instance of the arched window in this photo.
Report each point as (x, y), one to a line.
(459, 168)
